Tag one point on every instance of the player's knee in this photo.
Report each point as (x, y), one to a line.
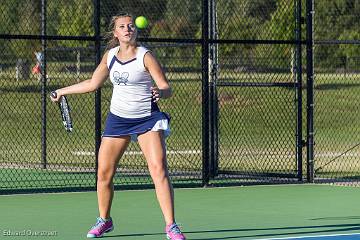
(104, 176)
(157, 171)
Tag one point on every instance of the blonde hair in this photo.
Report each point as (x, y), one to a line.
(112, 41)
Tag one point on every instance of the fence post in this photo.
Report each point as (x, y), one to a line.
(43, 85)
(98, 92)
(213, 103)
(310, 89)
(205, 93)
(298, 74)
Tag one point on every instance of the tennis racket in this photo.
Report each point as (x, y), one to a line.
(65, 112)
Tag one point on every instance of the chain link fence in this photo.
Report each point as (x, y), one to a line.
(236, 68)
(337, 92)
(254, 94)
(36, 152)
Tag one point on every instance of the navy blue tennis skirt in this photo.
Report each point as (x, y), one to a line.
(116, 126)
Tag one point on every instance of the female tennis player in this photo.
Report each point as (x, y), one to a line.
(134, 115)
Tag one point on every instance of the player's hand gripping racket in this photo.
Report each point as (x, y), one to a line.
(65, 111)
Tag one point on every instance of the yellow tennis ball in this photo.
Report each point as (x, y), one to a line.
(141, 22)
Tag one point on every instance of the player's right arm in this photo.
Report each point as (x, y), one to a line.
(97, 80)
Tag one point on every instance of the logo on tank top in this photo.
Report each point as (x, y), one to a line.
(120, 78)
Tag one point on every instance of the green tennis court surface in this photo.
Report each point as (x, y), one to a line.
(256, 212)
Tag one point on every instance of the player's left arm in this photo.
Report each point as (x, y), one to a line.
(163, 89)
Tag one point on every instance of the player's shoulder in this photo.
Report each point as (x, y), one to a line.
(142, 50)
(113, 50)
(109, 54)
(105, 56)
(142, 47)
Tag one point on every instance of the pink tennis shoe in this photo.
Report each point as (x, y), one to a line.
(101, 226)
(173, 232)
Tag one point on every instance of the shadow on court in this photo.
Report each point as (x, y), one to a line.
(337, 218)
(339, 228)
(134, 235)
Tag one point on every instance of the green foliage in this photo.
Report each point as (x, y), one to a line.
(336, 20)
(279, 26)
(153, 10)
(175, 24)
(180, 24)
(75, 19)
(20, 17)
(242, 20)
(237, 19)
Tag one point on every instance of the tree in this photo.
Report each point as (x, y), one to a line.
(76, 19)
(21, 17)
(280, 26)
(153, 10)
(336, 20)
(182, 19)
(243, 21)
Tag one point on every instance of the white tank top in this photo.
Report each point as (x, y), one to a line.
(131, 96)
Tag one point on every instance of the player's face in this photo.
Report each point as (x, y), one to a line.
(125, 29)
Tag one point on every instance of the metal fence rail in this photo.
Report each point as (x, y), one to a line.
(265, 91)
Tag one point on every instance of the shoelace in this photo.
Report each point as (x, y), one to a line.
(175, 229)
(99, 223)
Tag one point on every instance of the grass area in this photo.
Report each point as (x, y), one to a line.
(337, 124)
(256, 125)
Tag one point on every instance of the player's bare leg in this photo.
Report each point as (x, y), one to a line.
(110, 152)
(152, 145)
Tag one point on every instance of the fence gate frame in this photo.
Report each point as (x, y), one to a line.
(210, 44)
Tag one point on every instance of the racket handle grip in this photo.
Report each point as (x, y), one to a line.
(53, 94)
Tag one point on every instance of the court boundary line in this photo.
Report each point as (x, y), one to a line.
(191, 188)
(311, 236)
(169, 152)
(197, 151)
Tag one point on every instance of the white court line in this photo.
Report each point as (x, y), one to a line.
(169, 152)
(313, 236)
(91, 153)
